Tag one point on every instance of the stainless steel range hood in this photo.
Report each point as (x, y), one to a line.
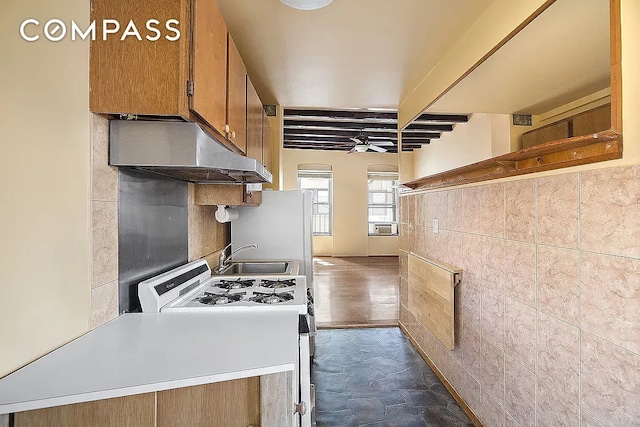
(180, 150)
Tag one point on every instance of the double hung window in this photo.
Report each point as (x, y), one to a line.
(383, 203)
(320, 183)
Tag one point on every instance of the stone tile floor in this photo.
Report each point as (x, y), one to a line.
(374, 377)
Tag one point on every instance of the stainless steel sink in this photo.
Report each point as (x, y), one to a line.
(248, 268)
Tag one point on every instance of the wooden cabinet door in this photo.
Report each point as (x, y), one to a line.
(552, 132)
(236, 97)
(267, 147)
(254, 123)
(137, 410)
(593, 121)
(209, 64)
(140, 77)
(230, 404)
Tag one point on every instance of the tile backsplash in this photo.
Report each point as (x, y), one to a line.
(206, 236)
(548, 309)
(104, 226)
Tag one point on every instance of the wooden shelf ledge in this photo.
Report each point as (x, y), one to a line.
(579, 150)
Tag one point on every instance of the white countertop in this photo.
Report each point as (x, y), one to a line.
(140, 353)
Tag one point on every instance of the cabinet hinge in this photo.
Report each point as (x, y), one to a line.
(189, 88)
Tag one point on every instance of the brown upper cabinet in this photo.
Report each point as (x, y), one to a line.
(140, 77)
(589, 122)
(209, 64)
(196, 77)
(236, 97)
(255, 111)
(267, 147)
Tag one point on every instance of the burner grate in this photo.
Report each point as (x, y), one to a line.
(277, 284)
(271, 297)
(235, 284)
(220, 299)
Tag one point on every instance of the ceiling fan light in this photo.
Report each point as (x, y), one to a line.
(306, 4)
(361, 148)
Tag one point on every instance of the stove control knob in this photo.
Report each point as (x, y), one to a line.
(300, 408)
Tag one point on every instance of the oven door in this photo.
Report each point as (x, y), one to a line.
(307, 401)
(306, 395)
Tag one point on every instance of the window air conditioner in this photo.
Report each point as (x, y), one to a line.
(383, 229)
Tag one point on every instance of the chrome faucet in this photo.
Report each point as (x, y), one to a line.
(222, 259)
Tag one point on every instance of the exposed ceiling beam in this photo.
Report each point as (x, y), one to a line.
(333, 129)
(391, 150)
(290, 123)
(331, 114)
(331, 148)
(444, 118)
(339, 125)
(371, 115)
(352, 134)
(418, 139)
(340, 132)
(323, 138)
(317, 147)
(417, 126)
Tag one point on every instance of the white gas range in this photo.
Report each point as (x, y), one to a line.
(192, 287)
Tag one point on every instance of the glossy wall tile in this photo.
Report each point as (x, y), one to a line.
(610, 211)
(520, 210)
(557, 210)
(104, 226)
(549, 303)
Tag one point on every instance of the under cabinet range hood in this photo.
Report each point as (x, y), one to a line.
(180, 150)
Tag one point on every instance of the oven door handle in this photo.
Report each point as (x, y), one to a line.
(300, 408)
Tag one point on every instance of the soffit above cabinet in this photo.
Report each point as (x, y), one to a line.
(561, 56)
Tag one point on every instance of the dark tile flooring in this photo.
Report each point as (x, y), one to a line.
(374, 377)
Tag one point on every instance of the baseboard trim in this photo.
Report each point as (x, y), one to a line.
(474, 419)
(356, 325)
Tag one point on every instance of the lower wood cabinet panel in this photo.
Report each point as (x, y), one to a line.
(238, 403)
(276, 394)
(129, 411)
(226, 404)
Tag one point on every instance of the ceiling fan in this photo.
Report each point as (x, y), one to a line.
(362, 145)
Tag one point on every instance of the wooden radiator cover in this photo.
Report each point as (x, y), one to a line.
(431, 296)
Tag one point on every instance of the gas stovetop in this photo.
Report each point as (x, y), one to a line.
(218, 297)
(236, 293)
(192, 287)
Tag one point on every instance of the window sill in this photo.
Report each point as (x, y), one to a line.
(552, 155)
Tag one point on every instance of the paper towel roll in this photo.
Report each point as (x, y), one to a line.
(224, 214)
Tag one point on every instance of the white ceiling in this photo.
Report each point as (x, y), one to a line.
(561, 56)
(350, 54)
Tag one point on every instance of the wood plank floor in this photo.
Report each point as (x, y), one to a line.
(356, 291)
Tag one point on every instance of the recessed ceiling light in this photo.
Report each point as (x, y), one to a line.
(306, 4)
